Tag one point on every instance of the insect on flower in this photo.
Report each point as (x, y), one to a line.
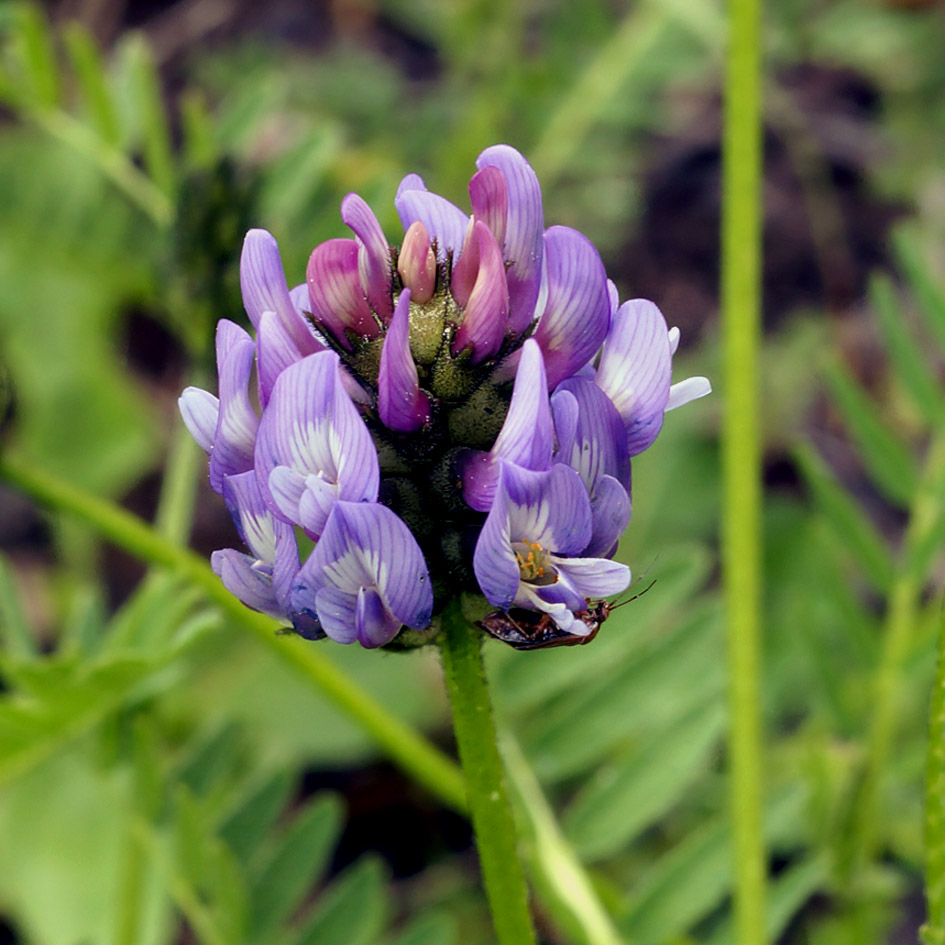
(531, 630)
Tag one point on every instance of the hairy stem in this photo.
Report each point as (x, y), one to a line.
(460, 646)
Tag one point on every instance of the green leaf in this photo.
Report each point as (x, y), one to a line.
(15, 633)
(353, 909)
(210, 761)
(904, 351)
(889, 461)
(786, 896)
(200, 145)
(93, 82)
(244, 829)
(578, 730)
(848, 520)
(523, 681)
(430, 928)
(685, 884)
(629, 795)
(152, 118)
(927, 292)
(34, 45)
(294, 865)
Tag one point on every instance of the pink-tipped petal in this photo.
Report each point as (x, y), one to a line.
(444, 221)
(417, 263)
(466, 268)
(400, 402)
(486, 318)
(335, 293)
(374, 264)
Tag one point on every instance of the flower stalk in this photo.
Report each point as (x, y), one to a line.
(489, 807)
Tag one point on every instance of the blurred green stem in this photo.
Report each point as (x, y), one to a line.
(421, 760)
(933, 932)
(561, 882)
(476, 739)
(898, 634)
(741, 455)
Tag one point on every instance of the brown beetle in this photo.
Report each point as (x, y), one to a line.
(533, 630)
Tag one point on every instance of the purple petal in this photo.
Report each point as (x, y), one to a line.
(262, 281)
(242, 578)
(200, 411)
(526, 437)
(597, 443)
(244, 501)
(237, 422)
(335, 293)
(576, 316)
(522, 247)
(634, 370)
(375, 624)
(610, 515)
(489, 197)
(548, 508)
(595, 577)
(444, 221)
(692, 388)
(400, 402)
(374, 264)
(275, 351)
(417, 263)
(336, 613)
(312, 427)
(285, 490)
(411, 182)
(486, 317)
(284, 569)
(315, 505)
(365, 546)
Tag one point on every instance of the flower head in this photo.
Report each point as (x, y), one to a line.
(454, 414)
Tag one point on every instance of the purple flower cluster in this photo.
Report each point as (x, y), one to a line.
(457, 414)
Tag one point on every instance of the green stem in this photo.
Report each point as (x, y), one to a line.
(411, 751)
(741, 268)
(460, 646)
(933, 932)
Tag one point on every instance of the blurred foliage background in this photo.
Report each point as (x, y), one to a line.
(163, 779)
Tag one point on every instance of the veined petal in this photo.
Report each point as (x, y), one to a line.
(315, 505)
(284, 569)
(598, 446)
(692, 388)
(524, 226)
(250, 514)
(485, 320)
(285, 490)
(489, 197)
(245, 581)
(576, 316)
(417, 263)
(264, 287)
(444, 221)
(375, 624)
(275, 351)
(526, 437)
(335, 294)
(610, 515)
(200, 410)
(374, 263)
(551, 508)
(237, 422)
(411, 182)
(312, 427)
(595, 577)
(634, 370)
(366, 547)
(400, 402)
